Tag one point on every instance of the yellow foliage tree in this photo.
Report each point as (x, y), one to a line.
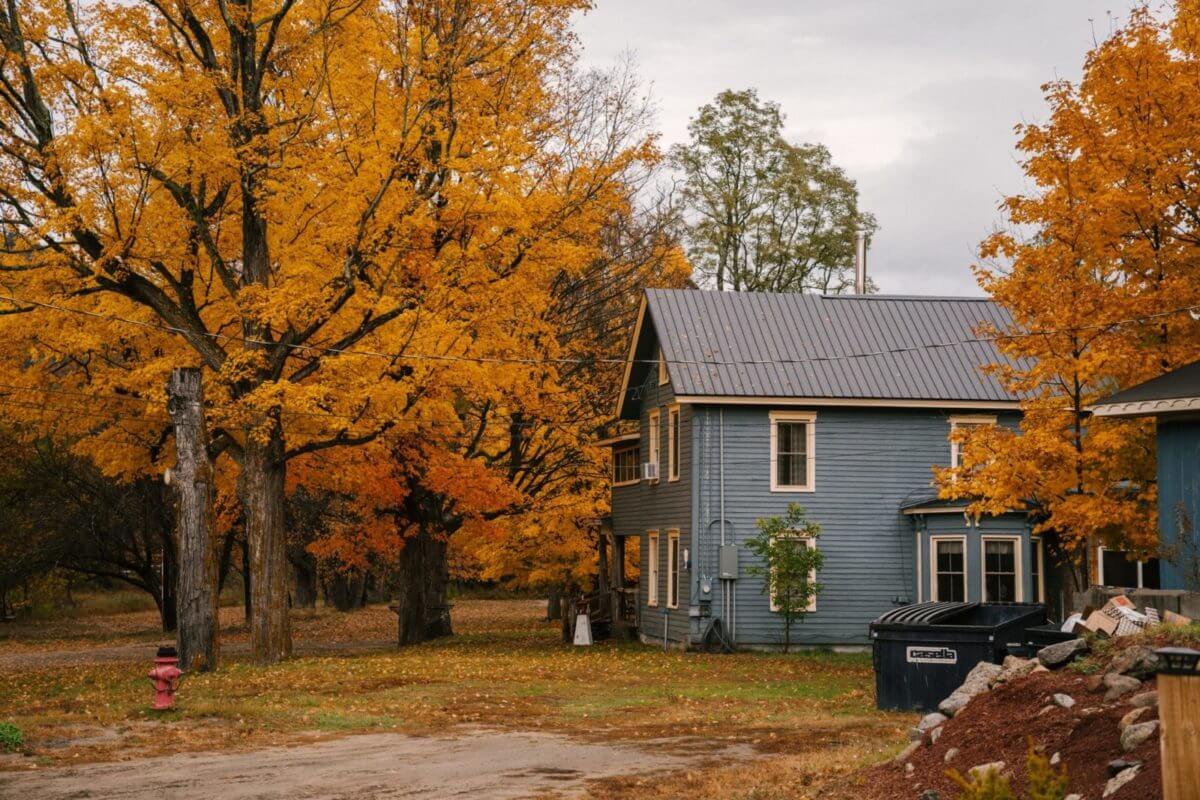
(1098, 271)
(350, 213)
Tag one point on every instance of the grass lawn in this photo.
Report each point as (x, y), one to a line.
(505, 668)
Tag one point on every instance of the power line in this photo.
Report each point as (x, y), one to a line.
(526, 361)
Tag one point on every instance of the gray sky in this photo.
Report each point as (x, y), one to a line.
(916, 99)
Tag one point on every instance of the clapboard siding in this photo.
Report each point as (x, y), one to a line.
(661, 506)
(867, 461)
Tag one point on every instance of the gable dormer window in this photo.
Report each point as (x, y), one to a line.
(663, 377)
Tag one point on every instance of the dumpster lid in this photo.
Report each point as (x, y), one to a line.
(922, 613)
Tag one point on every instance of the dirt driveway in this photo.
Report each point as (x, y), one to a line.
(477, 764)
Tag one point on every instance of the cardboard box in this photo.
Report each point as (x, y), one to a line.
(1102, 623)
(1171, 618)
(1118, 617)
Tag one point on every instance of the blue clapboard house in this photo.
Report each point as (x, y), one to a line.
(1173, 400)
(746, 402)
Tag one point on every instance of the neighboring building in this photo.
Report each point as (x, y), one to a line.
(1173, 400)
(747, 402)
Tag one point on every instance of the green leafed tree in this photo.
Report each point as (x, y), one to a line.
(788, 563)
(765, 215)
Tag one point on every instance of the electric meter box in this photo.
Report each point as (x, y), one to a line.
(729, 562)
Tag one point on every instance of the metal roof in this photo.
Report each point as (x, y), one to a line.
(1177, 391)
(886, 347)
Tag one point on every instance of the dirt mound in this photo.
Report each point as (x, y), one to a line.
(998, 726)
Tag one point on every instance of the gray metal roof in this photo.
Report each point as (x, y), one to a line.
(827, 346)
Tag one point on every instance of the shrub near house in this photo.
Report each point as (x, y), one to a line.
(789, 561)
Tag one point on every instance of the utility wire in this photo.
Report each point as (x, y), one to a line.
(600, 360)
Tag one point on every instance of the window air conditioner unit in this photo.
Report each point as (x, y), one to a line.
(649, 471)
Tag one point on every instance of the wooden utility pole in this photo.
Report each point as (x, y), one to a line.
(1179, 715)
(192, 478)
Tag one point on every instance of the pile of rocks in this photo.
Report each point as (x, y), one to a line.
(1121, 684)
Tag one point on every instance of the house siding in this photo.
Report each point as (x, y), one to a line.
(1179, 503)
(867, 460)
(662, 506)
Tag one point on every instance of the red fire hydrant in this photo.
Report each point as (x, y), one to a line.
(165, 676)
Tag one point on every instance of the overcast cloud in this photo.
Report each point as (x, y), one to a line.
(916, 99)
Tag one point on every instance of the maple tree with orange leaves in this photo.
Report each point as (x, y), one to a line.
(367, 222)
(1098, 269)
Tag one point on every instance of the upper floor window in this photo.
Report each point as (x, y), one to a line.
(663, 377)
(965, 422)
(673, 443)
(793, 437)
(627, 463)
(654, 441)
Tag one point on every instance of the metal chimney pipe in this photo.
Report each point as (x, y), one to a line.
(860, 261)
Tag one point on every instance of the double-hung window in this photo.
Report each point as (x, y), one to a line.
(654, 440)
(627, 465)
(1037, 569)
(1002, 570)
(804, 543)
(672, 569)
(1115, 569)
(948, 573)
(652, 568)
(793, 440)
(673, 443)
(965, 423)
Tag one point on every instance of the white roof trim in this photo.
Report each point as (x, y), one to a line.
(935, 510)
(1147, 408)
(981, 405)
(619, 439)
(633, 343)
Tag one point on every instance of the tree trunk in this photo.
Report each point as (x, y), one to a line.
(422, 577)
(192, 478)
(168, 603)
(346, 591)
(304, 581)
(247, 589)
(261, 485)
(554, 604)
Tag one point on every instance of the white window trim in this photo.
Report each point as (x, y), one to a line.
(810, 430)
(812, 574)
(1019, 566)
(965, 419)
(673, 422)
(672, 568)
(933, 570)
(652, 454)
(664, 377)
(635, 480)
(652, 568)
(1100, 550)
(920, 576)
(1038, 556)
